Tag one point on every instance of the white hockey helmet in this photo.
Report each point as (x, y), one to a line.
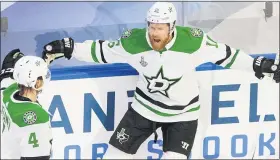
(28, 69)
(163, 12)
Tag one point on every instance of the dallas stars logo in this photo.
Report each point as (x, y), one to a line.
(156, 10)
(29, 117)
(37, 63)
(196, 32)
(170, 9)
(160, 84)
(126, 34)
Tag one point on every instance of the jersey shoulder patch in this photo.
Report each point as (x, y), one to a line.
(134, 41)
(188, 39)
(126, 33)
(26, 113)
(196, 32)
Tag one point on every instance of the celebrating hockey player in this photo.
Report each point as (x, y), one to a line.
(25, 125)
(167, 92)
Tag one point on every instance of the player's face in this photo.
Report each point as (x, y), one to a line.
(158, 35)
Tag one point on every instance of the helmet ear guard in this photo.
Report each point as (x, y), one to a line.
(45, 80)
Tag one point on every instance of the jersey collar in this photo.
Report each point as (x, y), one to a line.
(168, 45)
(21, 98)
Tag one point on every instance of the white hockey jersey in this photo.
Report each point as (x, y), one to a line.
(25, 125)
(167, 89)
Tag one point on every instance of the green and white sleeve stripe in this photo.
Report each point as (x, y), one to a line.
(231, 55)
(83, 51)
(89, 51)
(97, 53)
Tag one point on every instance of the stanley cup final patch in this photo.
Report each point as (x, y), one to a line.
(29, 117)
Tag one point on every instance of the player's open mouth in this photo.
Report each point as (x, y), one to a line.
(156, 40)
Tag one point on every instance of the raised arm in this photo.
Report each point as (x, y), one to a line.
(229, 57)
(6, 75)
(97, 51)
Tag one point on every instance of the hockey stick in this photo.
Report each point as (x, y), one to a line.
(270, 76)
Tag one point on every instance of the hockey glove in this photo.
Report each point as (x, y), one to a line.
(263, 65)
(9, 62)
(58, 49)
(276, 75)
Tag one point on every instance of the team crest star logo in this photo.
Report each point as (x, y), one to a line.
(170, 9)
(156, 10)
(37, 63)
(160, 84)
(126, 34)
(29, 117)
(196, 32)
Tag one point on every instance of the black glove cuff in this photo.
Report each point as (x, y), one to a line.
(257, 66)
(68, 47)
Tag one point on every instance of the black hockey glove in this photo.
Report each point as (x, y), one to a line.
(263, 65)
(9, 63)
(59, 49)
(276, 75)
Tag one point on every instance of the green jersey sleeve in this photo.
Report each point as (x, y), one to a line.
(117, 51)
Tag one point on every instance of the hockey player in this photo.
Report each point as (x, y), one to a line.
(25, 125)
(167, 93)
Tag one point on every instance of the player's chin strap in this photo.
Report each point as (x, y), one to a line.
(155, 131)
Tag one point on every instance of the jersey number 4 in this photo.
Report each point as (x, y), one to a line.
(33, 140)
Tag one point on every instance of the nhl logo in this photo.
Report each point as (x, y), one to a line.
(30, 117)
